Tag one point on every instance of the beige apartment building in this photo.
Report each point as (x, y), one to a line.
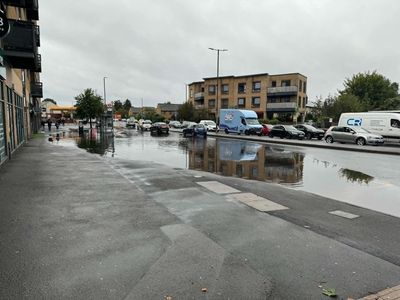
(20, 65)
(282, 96)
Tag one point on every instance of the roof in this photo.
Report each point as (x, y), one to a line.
(62, 107)
(168, 106)
(249, 75)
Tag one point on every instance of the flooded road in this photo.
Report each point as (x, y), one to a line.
(363, 179)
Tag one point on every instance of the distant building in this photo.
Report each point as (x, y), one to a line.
(20, 67)
(139, 111)
(59, 111)
(168, 110)
(282, 96)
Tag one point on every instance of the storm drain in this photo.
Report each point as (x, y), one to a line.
(217, 187)
(343, 214)
(258, 202)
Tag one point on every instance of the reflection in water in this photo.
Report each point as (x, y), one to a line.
(355, 176)
(245, 160)
(96, 142)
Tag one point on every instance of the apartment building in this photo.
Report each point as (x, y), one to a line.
(282, 96)
(20, 65)
(168, 110)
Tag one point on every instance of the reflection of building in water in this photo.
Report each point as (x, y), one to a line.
(245, 160)
(283, 166)
(96, 142)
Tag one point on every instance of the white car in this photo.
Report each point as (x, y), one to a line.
(145, 125)
(209, 125)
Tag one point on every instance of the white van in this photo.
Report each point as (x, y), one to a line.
(382, 123)
(239, 121)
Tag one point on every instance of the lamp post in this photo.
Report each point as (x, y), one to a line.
(217, 90)
(104, 86)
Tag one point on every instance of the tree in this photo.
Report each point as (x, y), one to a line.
(118, 105)
(127, 105)
(372, 89)
(346, 103)
(186, 111)
(391, 104)
(89, 105)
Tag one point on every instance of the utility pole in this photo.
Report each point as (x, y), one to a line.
(217, 89)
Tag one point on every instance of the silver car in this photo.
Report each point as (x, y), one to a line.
(357, 135)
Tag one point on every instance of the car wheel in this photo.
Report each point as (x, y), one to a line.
(184, 134)
(361, 141)
(288, 136)
(246, 132)
(308, 136)
(329, 139)
(226, 131)
(270, 135)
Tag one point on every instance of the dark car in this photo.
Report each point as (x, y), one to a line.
(310, 131)
(194, 130)
(286, 131)
(265, 130)
(159, 128)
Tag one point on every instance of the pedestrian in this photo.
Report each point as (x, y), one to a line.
(49, 124)
(63, 121)
(57, 123)
(43, 123)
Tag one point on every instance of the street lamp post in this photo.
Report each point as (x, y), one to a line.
(104, 86)
(217, 90)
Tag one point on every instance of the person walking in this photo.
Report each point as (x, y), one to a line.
(49, 124)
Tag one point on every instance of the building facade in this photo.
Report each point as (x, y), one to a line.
(168, 110)
(20, 65)
(282, 96)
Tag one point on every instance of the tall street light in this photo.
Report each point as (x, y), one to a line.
(104, 86)
(217, 90)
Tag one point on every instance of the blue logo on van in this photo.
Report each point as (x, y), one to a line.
(354, 122)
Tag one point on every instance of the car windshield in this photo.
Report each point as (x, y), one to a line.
(252, 121)
(209, 122)
(309, 127)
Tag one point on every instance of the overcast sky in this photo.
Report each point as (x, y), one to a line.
(151, 48)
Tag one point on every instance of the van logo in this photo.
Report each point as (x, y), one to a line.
(228, 117)
(354, 122)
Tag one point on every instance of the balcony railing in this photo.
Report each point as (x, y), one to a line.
(20, 46)
(282, 90)
(282, 106)
(199, 96)
(37, 89)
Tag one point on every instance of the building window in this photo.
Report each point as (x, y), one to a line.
(304, 87)
(285, 83)
(225, 89)
(241, 102)
(255, 102)
(300, 86)
(304, 102)
(299, 102)
(256, 86)
(273, 84)
(211, 103)
(224, 103)
(242, 87)
(211, 89)
(191, 93)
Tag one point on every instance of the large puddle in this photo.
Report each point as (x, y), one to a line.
(367, 180)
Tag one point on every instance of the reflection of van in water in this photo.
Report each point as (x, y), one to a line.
(383, 123)
(238, 151)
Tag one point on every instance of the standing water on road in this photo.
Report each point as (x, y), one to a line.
(363, 179)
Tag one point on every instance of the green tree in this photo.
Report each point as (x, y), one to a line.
(372, 89)
(118, 105)
(346, 103)
(127, 105)
(89, 105)
(391, 104)
(186, 112)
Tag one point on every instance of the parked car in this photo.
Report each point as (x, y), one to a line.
(187, 123)
(194, 130)
(131, 123)
(357, 135)
(159, 128)
(209, 125)
(310, 131)
(175, 124)
(265, 130)
(286, 131)
(144, 125)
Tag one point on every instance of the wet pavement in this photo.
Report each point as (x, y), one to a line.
(368, 180)
(87, 226)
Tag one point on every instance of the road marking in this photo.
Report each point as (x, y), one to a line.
(343, 214)
(217, 187)
(258, 202)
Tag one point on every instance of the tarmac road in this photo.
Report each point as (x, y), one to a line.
(74, 225)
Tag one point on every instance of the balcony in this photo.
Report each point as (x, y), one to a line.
(36, 89)
(282, 107)
(199, 96)
(20, 46)
(282, 91)
(16, 3)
